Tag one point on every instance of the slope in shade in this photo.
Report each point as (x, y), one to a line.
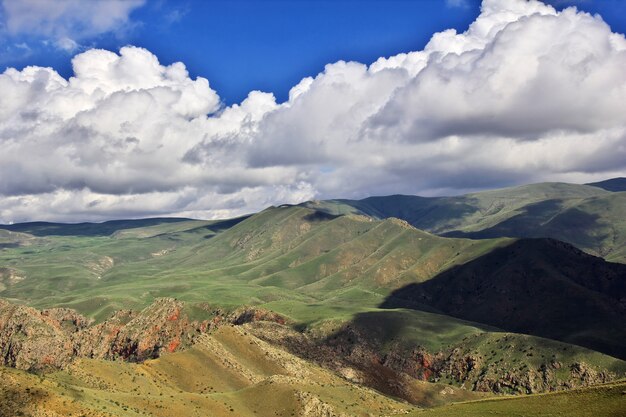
(541, 287)
(613, 184)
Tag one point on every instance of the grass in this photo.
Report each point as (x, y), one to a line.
(314, 270)
(321, 271)
(607, 400)
(230, 373)
(586, 216)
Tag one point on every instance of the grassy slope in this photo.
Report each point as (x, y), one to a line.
(534, 286)
(586, 216)
(600, 401)
(228, 373)
(320, 271)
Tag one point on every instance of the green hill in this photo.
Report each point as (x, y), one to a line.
(589, 217)
(538, 286)
(613, 184)
(600, 401)
(283, 254)
(332, 274)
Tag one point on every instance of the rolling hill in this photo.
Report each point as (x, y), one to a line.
(613, 184)
(587, 216)
(351, 288)
(536, 286)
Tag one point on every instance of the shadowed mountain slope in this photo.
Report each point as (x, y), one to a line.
(613, 184)
(538, 286)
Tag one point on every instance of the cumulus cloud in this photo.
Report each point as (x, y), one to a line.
(525, 94)
(67, 22)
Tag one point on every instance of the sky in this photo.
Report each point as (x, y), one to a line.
(212, 109)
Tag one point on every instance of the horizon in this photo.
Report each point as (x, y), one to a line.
(281, 205)
(143, 109)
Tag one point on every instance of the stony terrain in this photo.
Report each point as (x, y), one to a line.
(34, 340)
(54, 339)
(227, 371)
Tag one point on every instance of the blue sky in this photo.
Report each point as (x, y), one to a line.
(270, 45)
(212, 109)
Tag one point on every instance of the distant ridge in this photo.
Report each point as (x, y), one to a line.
(613, 184)
(586, 216)
(86, 228)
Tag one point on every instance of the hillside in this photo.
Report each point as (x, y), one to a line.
(586, 216)
(259, 380)
(613, 184)
(395, 352)
(541, 287)
(600, 401)
(326, 275)
(307, 255)
(228, 372)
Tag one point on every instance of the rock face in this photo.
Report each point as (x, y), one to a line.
(314, 407)
(38, 340)
(32, 339)
(128, 335)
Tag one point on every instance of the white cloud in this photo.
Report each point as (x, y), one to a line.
(525, 94)
(67, 22)
(66, 44)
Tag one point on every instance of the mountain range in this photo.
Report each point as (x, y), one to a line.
(405, 302)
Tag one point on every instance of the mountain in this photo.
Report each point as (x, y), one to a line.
(307, 255)
(85, 229)
(613, 184)
(350, 292)
(538, 286)
(590, 218)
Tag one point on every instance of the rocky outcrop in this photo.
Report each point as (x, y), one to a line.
(38, 340)
(34, 340)
(312, 406)
(31, 339)
(356, 355)
(251, 314)
(128, 335)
